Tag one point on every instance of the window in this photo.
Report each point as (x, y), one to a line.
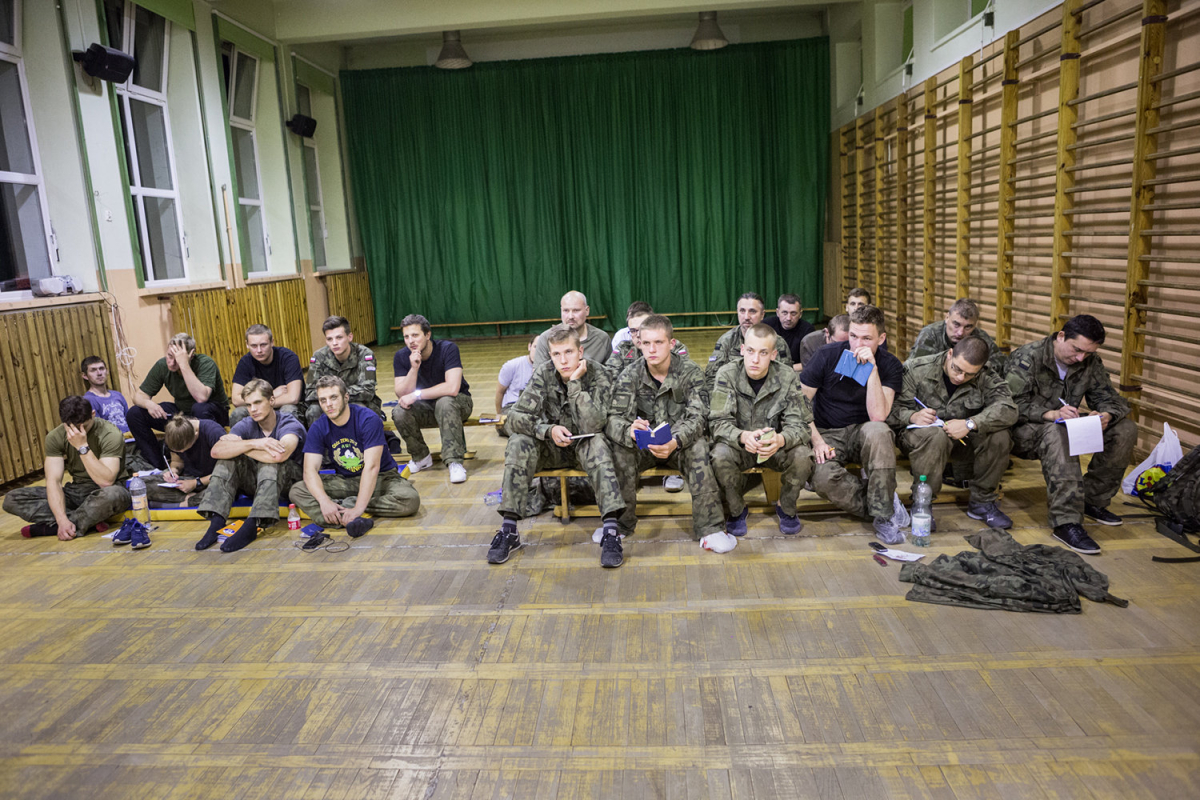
(950, 15)
(142, 106)
(312, 184)
(906, 46)
(26, 240)
(241, 83)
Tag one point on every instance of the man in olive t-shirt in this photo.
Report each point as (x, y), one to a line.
(92, 452)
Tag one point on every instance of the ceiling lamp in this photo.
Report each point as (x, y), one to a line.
(452, 56)
(708, 33)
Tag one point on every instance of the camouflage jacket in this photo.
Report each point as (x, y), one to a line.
(779, 404)
(626, 352)
(729, 347)
(986, 399)
(358, 372)
(933, 339)
(1032, 374)
(681, 400)
(579, 406)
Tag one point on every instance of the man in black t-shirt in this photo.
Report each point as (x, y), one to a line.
(849, 424)
(189, 441)
(432, 393)
(278, 366)
(787, 322)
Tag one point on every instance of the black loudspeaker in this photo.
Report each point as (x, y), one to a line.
(105, 63)
(302, 125)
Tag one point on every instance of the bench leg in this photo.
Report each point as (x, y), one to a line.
(566, 509)
(772, 485)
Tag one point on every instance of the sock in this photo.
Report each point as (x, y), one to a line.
(215, 523)
(40, 529)
(610, 526)
(101, 527)
(244, 536)
(509, 525)
(360, 526)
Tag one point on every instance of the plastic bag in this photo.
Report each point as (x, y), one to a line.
(1165, 454)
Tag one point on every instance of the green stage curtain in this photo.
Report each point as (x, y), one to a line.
(676, 177)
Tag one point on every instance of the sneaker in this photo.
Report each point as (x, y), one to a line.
(394, 445)
(125, 534)
(610, 551)
(1075, 537)
(900, 514)
(719, 542)
(991, 515)
(1101, 515)
(737, 525)
(788, 525)
(673, 483)
(140, 537)
(458, 473)
(502, 546)
(888, 531)
(416, 466)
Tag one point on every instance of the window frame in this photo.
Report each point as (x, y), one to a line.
(319, 205)
(249, 126)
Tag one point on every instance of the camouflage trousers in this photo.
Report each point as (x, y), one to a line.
(86, 503)
(502, 428)
(394, 496)
(794, 465)
(692, 463)
(447, 414)
(872, 446)
(1067, 488)
(525, 455)
(238, 414)
(266, 483)
(929, 449)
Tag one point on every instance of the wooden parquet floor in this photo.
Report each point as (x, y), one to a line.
(407, 667)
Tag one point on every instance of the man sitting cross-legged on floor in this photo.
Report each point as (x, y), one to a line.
(260, 456)
(759, 416)
(663, 388)
(190, 442)
(567, 397)
(92, 452)
(351, 436)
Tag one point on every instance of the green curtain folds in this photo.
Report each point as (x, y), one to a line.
(676, 177)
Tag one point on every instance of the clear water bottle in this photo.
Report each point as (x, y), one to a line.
(922, 513)
(493, 498)
(141, 503)
(293, 518)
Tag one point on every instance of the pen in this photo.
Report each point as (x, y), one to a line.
(917, 400)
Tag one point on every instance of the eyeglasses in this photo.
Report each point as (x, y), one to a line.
(955, 369)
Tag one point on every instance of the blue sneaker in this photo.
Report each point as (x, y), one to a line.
(125, 534)
(140, 537)
(736, 526)
(788, 526)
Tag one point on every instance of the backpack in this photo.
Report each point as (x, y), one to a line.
(1176, 496)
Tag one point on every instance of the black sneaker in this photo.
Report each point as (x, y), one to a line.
(502, 546)
(990, 514)
(610, 551)
(1075, 537)
(1101, 515)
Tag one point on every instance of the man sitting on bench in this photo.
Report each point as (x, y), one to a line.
(593, 342)
(749, 312)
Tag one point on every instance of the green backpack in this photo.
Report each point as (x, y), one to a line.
(1177, 494)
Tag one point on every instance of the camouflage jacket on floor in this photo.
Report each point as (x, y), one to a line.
(779, 405)
(681, 400)
(579, 406)
(986, 399)
(933, 339)
(1032, 375)
(357, 371)
(729, 347)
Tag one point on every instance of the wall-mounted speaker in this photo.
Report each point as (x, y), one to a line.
(105, 63)
(302, 125)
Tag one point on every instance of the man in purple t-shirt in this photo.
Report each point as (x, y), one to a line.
(110, 406)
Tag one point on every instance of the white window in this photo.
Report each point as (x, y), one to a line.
(142, 105)
(241, 81)
(26, 240)
(312, 184)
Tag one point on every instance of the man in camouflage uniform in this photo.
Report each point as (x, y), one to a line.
(976, 409)
(750, 312)
(567, 396)
(750, 398)
(626, 351)
(661, 388)
(962, 321)
(343, 358)
(1049, 379)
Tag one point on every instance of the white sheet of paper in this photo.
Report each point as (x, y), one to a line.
(901, 555)
(169, 485)
(937, 423)
(1085, 435)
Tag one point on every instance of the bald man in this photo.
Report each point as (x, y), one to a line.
(597, 347)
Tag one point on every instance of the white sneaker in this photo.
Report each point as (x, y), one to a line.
(720, 542)
(900, 515)
(673, 483)
(416, 466)
(458, 473)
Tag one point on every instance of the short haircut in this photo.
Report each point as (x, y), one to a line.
(869, 315)
(257, 386)
(790, 299)
(637, 308)
(839, 323)
(659, 323)
(561, 333)
(753, 296)
(1084, 325)
(533, 337)
(87, 362)
(858, 291)
(763, 331)
(258, 329)
(415, 319)
(974, 350)
(325, 381)
(966, 308)
(183, 340)
(335, 322)
(74, 410)
(180, 434)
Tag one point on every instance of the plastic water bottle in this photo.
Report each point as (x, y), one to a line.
(141, 503)
(293, 518)
(493, 498)
(922, 513)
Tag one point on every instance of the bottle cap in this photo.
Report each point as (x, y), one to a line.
(922, 477)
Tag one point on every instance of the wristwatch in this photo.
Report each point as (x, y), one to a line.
(417, 393)
(971, 425)
(83, 451)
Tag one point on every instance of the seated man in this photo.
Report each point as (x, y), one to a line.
(92, 452)
(759, 416)
(567, 397)
(629, 349)
(278, 366)
(787, 322)
(595, 344)
(836, 330)
(351, 437)
(638, 308)
(194, 383)
(190, 442)
(343, 358)
(729, 346)
(111, 406)
(432, 392)
(260, 456)
(962, 321)
(655, 389)
(856, 299)
(976, 408)
(849, 424)
(514, 377)
(1050, 379)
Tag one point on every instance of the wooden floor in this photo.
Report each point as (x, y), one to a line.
(408, 667)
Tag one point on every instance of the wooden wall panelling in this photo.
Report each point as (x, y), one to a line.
(929, 193)
(1064, 198)
(349, 296)
(901, 223)
(962, 206)
(860, 201)
(877, 201)
(848, 203)
(1005, 207)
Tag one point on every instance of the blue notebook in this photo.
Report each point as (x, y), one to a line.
(849, 367)
(660, 435)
